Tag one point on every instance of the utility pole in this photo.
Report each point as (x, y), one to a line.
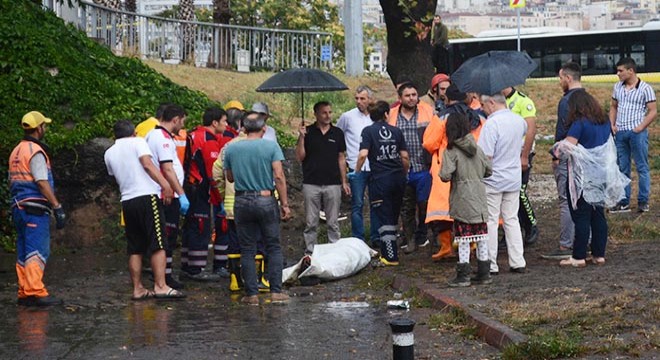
(353, 37)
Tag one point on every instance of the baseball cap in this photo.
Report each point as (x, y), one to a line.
(33, 120)
(260, 108)
(234, 104)
(438, 78)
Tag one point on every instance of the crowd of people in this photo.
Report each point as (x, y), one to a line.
(451, 163)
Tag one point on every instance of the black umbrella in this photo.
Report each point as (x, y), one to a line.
(302, 80)
(493, 71)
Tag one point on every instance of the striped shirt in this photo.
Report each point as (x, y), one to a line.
(631, 104)
(413, 142)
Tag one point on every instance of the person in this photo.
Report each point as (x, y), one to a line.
(352, 123)
(589, 127)
(632, 109)
(33, 200)
(412, 117)
(202, 149)
(385, 148)
(501, 140)
(435, 142)
(522, 105)
(143, 128)
(321, 149)
(465, 165)
(129, 160)
(570, 74)
(235, 113)
(262, 108)
(440, 42)
(254, 164)
(227, 192)
(435, 97)
(164, 156)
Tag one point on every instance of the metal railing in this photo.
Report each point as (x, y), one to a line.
(202, 44)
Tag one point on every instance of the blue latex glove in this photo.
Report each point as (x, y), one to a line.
(184, 204)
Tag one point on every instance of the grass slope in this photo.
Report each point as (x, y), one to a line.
(51, 67)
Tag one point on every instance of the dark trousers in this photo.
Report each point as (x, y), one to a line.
(386, 196)
(588, 219)
(440, 59)
(415, 201)
(525, 212)
(172, 217)
(196, 232)
(259, 217)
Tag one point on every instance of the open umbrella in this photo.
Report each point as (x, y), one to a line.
(302, 80)
(493, 71)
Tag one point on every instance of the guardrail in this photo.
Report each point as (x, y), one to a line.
(199, 43)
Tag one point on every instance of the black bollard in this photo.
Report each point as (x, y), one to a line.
(403, 340)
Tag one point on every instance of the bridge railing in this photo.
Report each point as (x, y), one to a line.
(199, 43)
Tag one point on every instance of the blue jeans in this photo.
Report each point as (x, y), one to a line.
(636, 145)
(259, 217)
(588, 219)
(358, 184)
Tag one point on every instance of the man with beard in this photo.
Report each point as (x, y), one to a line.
(412, 117)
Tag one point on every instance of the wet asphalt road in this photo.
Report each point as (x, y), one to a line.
(99, 321)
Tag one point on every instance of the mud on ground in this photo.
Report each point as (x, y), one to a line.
(609, 311)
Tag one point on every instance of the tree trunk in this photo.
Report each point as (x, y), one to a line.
(221, 15)
(408, 42)
(187, 12)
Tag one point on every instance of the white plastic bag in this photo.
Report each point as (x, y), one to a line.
(333, 261)
(593, 173)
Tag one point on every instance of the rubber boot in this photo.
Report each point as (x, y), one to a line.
(235, 279)
(262, 282)
(483, 273)
(445, 247)
(462, 276)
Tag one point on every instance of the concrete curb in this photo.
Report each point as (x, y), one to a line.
(493, 332)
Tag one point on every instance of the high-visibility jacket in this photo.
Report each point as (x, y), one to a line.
(224, 187)
(143, 128)
(194, 161)
(435, 142)
(180, 143)
(22, 185)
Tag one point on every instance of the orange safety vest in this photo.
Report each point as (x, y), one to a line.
(21, 182)
(180, 142)
(435, 142)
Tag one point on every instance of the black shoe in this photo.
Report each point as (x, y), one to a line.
(520, 270)
(531, 236)
(173, 283)
(494, 273)
(49, 300)
(27, 301)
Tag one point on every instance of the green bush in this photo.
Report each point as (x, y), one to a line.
(51, 67)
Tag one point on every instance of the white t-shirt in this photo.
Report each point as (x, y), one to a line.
(501, 138)
(270, 134)
(123, 162)
(163, 148)
(352, 123)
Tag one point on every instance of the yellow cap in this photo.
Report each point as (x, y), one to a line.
(33, 120)
(234, 104)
